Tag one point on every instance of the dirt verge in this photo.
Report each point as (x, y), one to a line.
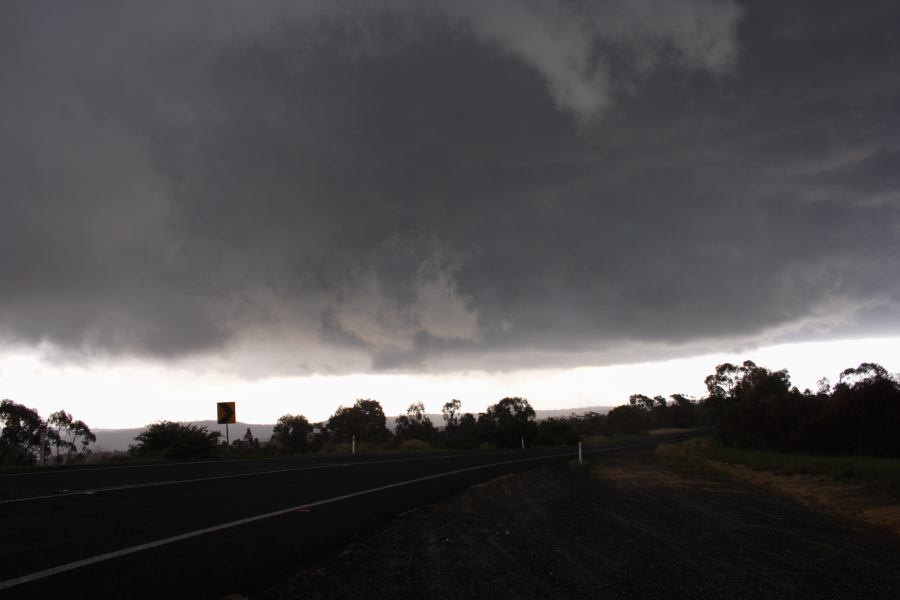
(624, 527)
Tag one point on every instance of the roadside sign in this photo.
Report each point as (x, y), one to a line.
(225, 413)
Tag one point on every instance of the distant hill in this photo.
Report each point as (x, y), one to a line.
(120, 439)
(565, 412)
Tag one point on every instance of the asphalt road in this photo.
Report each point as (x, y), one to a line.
(207, 529)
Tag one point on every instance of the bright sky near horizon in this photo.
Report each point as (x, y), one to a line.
(132, 395)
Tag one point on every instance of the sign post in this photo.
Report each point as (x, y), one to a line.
(225, 413)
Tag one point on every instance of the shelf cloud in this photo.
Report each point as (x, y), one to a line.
(296, 187)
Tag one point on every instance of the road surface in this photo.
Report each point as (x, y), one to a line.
(207, 529)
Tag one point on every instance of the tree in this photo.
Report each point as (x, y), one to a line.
(508, 421)
(630, 418)
(291, 433)
(464, 434)
(681, 411)
(641, 401)
(60, 422)
(415, 424)
(168, 439)
(865, 410)
(721, 383)
(365, 420)
(451, 413)
(863, 374)
(71, 435)
(20, 436)
(247, 442)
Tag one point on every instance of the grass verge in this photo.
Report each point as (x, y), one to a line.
(864, 488)
(698, 453)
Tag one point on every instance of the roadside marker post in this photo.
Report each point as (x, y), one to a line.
(353, 445)
(579, 453)
(226, 413)
(522, 438)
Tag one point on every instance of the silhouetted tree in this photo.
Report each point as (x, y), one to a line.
(291, 433)
(450, 412)
(628, 419)
(752, 406)
(721, 383)
(168, 439)
(415, 424)
(865, 373)
(682, 411)
(641, 401)
(20, 436)
(249, 441)
(558, 430)
(739, 398)
(69, 435)
(464, 434)
(865, 405)
(659, 413)
(365, 420)
(506, 422)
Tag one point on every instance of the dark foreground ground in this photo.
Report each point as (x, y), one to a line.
(623, 527)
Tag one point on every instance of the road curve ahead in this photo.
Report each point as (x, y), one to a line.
(206, 529)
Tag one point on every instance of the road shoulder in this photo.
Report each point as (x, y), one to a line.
(625, 526)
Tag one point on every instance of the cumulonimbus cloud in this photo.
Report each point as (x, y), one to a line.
(304, 187)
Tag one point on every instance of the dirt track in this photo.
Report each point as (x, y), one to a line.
(625, 527)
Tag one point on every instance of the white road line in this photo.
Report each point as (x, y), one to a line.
(192, 534)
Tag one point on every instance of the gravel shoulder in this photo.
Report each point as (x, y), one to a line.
(625, 526)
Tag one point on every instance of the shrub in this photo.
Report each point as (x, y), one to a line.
(171, 440)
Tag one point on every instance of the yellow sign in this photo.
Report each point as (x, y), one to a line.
(225, 412)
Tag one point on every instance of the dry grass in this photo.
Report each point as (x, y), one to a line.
(864, 489)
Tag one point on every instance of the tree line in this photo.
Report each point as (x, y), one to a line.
(753, 407)
(746, 405)
(27, 439)
(509, 423)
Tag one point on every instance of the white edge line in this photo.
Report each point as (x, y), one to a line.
(9, 583)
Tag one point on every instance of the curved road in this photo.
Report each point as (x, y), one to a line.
(207, 529)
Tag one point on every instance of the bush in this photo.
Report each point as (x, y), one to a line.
(170, 440)
(628, 419)
(291, 433)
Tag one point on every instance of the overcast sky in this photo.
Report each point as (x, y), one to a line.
(283, 189)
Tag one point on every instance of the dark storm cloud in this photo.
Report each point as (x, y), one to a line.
(467, 184)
